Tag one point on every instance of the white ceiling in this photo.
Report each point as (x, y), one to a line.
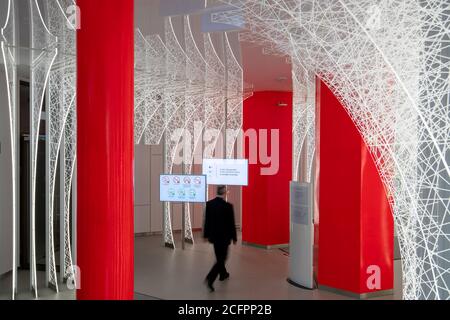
(260, 70)
(265, 72)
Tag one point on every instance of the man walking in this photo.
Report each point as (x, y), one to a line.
(219, 229)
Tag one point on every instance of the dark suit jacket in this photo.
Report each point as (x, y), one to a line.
(219, 226)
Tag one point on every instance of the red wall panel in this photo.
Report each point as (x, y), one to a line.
(377, 227)
(339, 245)
(265, 202)
(105, 151)
(356, 225)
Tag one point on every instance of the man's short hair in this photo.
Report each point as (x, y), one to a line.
(221, 190)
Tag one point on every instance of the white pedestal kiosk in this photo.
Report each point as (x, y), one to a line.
(301, 235)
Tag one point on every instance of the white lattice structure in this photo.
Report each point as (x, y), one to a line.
(194, 110)
(237, 92)
(52, 78)
(160, 92)
(160, 95)
(68, 172)
(181, 92)
(215, 96)
(304, 118)
(43, 56)
(175, 116)
(8, 45)
(195, 93)
(150, 81)
(388, 63)
(61, 132)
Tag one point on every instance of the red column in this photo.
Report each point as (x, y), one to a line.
(356, 229)
(265, 202)
(105, 152)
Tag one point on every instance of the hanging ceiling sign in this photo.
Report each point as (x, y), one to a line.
(169, 8)
(222, 19)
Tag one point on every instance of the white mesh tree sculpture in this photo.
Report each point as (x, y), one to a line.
(175, 116)
(304, 105)
(235, 98)
(195, 108)
(69, 161)
(195, 93)
(215, 95)
(43, 56)
(155, 128)
(182, 93)
(150, 80)
(388, 63)
(141, 83)
(61, 114)
(154, 86)
(160, 93)
(8, 45)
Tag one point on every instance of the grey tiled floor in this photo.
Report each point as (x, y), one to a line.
(24, 292)
(162, 273)
(255, 273)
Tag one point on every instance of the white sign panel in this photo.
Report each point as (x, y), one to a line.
(301, 242)
(182, 188)
(230, 172)
(301, 203)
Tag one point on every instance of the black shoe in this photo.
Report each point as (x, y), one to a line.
(224, 277)
(209, 284)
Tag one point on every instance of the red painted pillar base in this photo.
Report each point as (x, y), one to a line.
(105, 151)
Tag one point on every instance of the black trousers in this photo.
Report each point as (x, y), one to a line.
(221, 251)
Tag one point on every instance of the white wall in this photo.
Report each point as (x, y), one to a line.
(156, 169)
(23, 37)
(142, 189)
(5, 180)
(148, 209)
